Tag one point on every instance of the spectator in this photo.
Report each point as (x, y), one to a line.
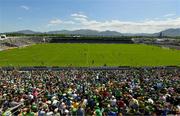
(92, 92)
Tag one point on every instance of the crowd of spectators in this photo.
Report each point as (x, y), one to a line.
(90, 92)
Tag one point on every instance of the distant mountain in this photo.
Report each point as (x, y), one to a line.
(27, 32)
(75, 32)
(110, 33)
(88, 32)
(85, 32)
(137, 34)
(171, 32)
(168, 32)
(59, 32)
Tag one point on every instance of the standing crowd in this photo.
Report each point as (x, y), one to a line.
(90, 92)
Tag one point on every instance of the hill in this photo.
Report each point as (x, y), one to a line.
(88, 32)
(27, 32)
(171, 32)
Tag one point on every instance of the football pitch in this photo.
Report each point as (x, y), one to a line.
(90, 55)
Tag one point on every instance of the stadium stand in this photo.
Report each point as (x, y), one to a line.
(90, 40)
(116, 91)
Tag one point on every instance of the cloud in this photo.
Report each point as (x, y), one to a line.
(146, 26)
(169, 15)
(68, 22)
(80, 21)
(24, 7)
(55, 21)
(79, 15)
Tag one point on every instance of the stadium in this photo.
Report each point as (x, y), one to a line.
(77, 76)
(88, 72)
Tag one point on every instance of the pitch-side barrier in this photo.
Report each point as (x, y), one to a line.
(44, 68)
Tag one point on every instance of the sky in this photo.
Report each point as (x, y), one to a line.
(125, 16)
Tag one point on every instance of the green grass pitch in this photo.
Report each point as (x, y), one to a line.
(90, 55)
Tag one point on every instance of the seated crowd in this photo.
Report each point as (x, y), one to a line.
(90, 92)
